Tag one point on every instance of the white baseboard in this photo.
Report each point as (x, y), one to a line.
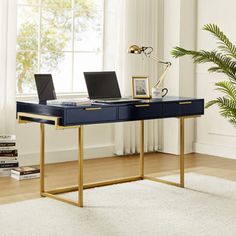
(216, 150)
(58, 156)
(175, 150)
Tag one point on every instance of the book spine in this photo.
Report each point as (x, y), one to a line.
(6, 161)
(7, 137)
(8, 141)
(9, 165)
(20, 177)
(29, 177)
(20, 173)
(8, 152)
(8, 155)
(7, 148)
(3, 159)
(11, 144)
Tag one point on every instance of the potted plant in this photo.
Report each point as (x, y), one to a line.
(224, 61)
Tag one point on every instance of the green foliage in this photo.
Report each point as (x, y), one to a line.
(27, 56)
(55, 36)
(223, 60)
(224, 44)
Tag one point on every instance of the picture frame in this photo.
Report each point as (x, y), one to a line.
(140, 87)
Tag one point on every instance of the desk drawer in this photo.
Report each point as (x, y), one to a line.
(183, 108)
(90, 115)
(140, 111)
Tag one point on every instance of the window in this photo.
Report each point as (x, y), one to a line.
(61, 37)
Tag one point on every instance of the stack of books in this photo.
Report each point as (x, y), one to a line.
(25, 172)
(8, 154)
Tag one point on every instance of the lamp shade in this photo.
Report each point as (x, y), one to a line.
(135, 49)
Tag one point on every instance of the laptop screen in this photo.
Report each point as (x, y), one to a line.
(102, 84)
(45, 87)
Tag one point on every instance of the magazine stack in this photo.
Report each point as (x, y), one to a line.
(8, 154)
(25, 172)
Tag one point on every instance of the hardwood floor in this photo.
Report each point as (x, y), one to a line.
(157, 164)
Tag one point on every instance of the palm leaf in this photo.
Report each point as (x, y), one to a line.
(225, 44)
(227, 88)
(227, 108)
(233, 121)
(224, 64)
(210, 103)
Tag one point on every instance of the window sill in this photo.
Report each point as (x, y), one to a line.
(34, 97)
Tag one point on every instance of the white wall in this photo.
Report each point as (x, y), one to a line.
(183, 21)
(215, 135)
(61, 145)
(179, 30)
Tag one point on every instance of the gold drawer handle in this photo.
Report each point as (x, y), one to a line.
(142, 105)
(183, 103)
(93, 108)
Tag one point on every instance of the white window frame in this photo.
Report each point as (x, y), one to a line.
(34, 96)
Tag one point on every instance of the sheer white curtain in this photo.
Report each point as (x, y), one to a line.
(137, 24)
(7, 66)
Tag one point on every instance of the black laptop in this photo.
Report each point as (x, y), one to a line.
(103, 87)
(45, 87)
(47, 94)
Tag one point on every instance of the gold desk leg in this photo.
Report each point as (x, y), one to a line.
(181, 152)
(181, 183)
(80, 186)
(80, 164)
(141, 149)
(50, 194)
(42, 151)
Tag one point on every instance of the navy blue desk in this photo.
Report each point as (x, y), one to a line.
(77, 116)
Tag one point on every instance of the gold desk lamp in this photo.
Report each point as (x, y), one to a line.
(135, 49)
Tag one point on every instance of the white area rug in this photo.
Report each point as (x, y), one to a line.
(207, 206)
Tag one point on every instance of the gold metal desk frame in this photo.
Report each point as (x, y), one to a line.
(22, 118)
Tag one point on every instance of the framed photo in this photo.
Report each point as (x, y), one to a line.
(140, 87)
